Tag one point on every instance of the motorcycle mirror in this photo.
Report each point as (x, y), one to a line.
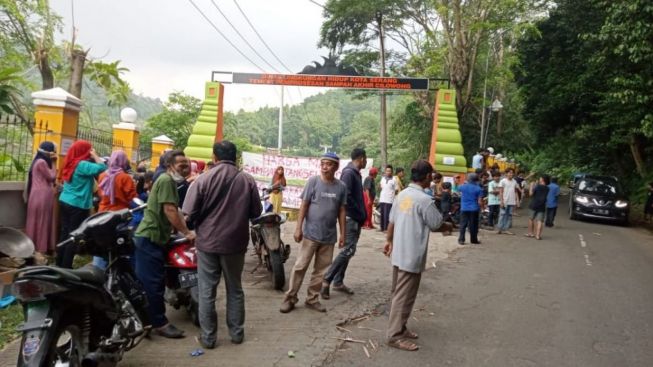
(14, 243)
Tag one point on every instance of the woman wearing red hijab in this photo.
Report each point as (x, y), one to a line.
(81, 167)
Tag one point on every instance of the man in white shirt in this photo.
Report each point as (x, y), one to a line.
(477, 160)
(387, 196)
(508, 188)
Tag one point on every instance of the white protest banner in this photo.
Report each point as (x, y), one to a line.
(296, 169)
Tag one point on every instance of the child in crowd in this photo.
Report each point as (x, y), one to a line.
(144, 183)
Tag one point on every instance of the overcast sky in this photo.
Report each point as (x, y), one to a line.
(168, 45)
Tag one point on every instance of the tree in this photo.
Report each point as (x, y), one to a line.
(28, 28)
(585, 77)
(357, 23)
(9, 94)
(627, 57)
(109, 77)
(176, 121)
(27, 38)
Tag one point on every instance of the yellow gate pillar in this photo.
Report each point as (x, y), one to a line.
(56, 119)
(159, 145)
(125, 134)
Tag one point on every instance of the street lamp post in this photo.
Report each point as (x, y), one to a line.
(496, 106)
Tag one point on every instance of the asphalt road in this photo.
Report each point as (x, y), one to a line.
(582, 296)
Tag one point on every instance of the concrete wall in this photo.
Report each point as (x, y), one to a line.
(12, 207)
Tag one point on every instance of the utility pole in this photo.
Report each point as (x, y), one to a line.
(384, 124)
(280, 140)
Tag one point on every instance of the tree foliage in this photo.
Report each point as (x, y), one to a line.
(586, 79)
(28, 30)
(176, 120)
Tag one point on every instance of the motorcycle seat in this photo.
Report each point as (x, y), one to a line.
(89, 273)
(269, 218)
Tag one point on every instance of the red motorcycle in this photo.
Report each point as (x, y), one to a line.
(181, 277)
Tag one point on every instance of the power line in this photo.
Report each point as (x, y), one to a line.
(301, 97)
(242, 37)
(225, 37)
(261, 38)
(318, 4)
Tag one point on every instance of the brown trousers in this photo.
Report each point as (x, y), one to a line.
(323, 256)
(404, 293)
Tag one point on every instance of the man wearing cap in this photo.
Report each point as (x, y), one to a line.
(323, 204)
(470, 204)
(355, 217)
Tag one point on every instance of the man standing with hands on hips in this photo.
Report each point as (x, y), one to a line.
(412, 217)
(323, 204)
(356, 215)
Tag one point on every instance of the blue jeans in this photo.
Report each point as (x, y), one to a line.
(505, 218)
(210, 267)
(150, 271)
(336, 272)
(99, 262)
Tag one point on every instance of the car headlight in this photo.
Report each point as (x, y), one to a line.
(582, 199)
(621, 204)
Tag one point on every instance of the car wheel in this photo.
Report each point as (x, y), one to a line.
(572, 214)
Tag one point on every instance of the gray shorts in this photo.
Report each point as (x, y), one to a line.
(538, 216)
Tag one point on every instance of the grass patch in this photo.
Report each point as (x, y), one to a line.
(10, 317)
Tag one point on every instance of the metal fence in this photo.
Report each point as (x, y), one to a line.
(16, 144)
(144, 153)
(102, 140)
(16, 147)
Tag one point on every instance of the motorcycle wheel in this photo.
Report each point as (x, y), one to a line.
(278, 274)
(68, 346)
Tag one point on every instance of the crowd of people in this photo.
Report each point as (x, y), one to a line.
(212, 204)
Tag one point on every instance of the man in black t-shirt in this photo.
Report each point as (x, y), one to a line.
(537, 207)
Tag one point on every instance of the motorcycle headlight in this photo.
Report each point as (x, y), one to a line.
(621, 204)
(582, 199)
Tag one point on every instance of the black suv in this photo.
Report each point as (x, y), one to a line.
(599, 197)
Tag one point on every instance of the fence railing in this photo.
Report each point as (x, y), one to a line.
(102, 140)
(144, 154)
(16, 146)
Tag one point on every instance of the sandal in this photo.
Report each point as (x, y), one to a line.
(344, 289)
(538, 238)
(410, 334)
(529, 235)
(403, 344)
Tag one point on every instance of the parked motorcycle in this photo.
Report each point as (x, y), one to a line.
(86, 316)
(270, 249)
(181, 277)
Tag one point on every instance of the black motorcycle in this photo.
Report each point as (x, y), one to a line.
(86, 316)
(266, 238)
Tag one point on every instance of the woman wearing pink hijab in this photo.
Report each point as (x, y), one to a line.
(116, 188)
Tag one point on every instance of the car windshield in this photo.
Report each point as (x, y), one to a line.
(599, 186)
